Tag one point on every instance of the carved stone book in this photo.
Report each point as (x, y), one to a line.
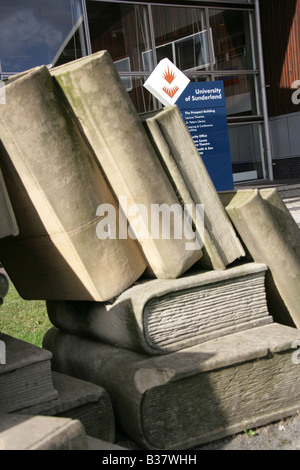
(160, 316)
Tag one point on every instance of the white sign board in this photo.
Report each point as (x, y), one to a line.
(166, 82)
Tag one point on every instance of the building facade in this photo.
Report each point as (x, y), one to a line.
(237, 42)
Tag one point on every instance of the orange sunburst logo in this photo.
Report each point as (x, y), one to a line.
(171, 91)
(169, 75)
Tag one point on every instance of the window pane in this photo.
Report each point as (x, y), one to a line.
(143, 101)
(122, 30)
(181, 36)
(246, 144)
(38, 32)
(232, 39)
(241, 95)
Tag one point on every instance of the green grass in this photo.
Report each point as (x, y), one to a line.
(23, 319)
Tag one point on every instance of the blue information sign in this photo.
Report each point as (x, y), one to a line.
(202, 105)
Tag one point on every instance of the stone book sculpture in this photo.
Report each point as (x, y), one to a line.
(55, 187)
(194, 396)
(117, 136)
(160, 316)
(78, 399)
(188, 173)
(270, 236)
(25, 377)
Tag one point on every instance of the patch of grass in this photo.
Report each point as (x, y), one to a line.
(24, 319)
(249, 432)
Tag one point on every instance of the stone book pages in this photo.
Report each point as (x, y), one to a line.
(160, 316)
(55, 187)
(190, 397)
(269, 234)
(26, 377)
(120, 142)
(188, 172)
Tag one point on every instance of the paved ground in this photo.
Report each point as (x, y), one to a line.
(283, 435)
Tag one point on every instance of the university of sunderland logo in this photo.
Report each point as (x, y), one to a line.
(166, 82)
(169, 76)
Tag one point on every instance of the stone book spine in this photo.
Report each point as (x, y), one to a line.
(120, 142)
(56, 187)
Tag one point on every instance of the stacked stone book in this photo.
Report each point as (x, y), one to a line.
(29, 387)
(180, 158)
(55, 187)
(270, 236)
(176, 329)
(161, 316)
(193, 396)
(25, 375)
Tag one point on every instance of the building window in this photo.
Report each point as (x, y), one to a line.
(206, 42)
(39, 32)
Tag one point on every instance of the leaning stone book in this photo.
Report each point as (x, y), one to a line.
(188, 173)
(120, 142)
(194, 396)
(25, 375)
(270, 236)
(160, 316)
(55, 188)
(81, 400)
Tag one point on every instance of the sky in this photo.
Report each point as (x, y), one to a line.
(32, 31)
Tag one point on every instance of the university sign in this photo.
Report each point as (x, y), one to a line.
(202, 105)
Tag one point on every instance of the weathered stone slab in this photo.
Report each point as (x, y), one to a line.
(191, 397)
(25, 377)
(56, 186)
(285, 222)
(8, 223)
(20, 432)
(98, 444)
(267, 238)
(116, 134)
(160, 316)
(81, 400)
(188, 173)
